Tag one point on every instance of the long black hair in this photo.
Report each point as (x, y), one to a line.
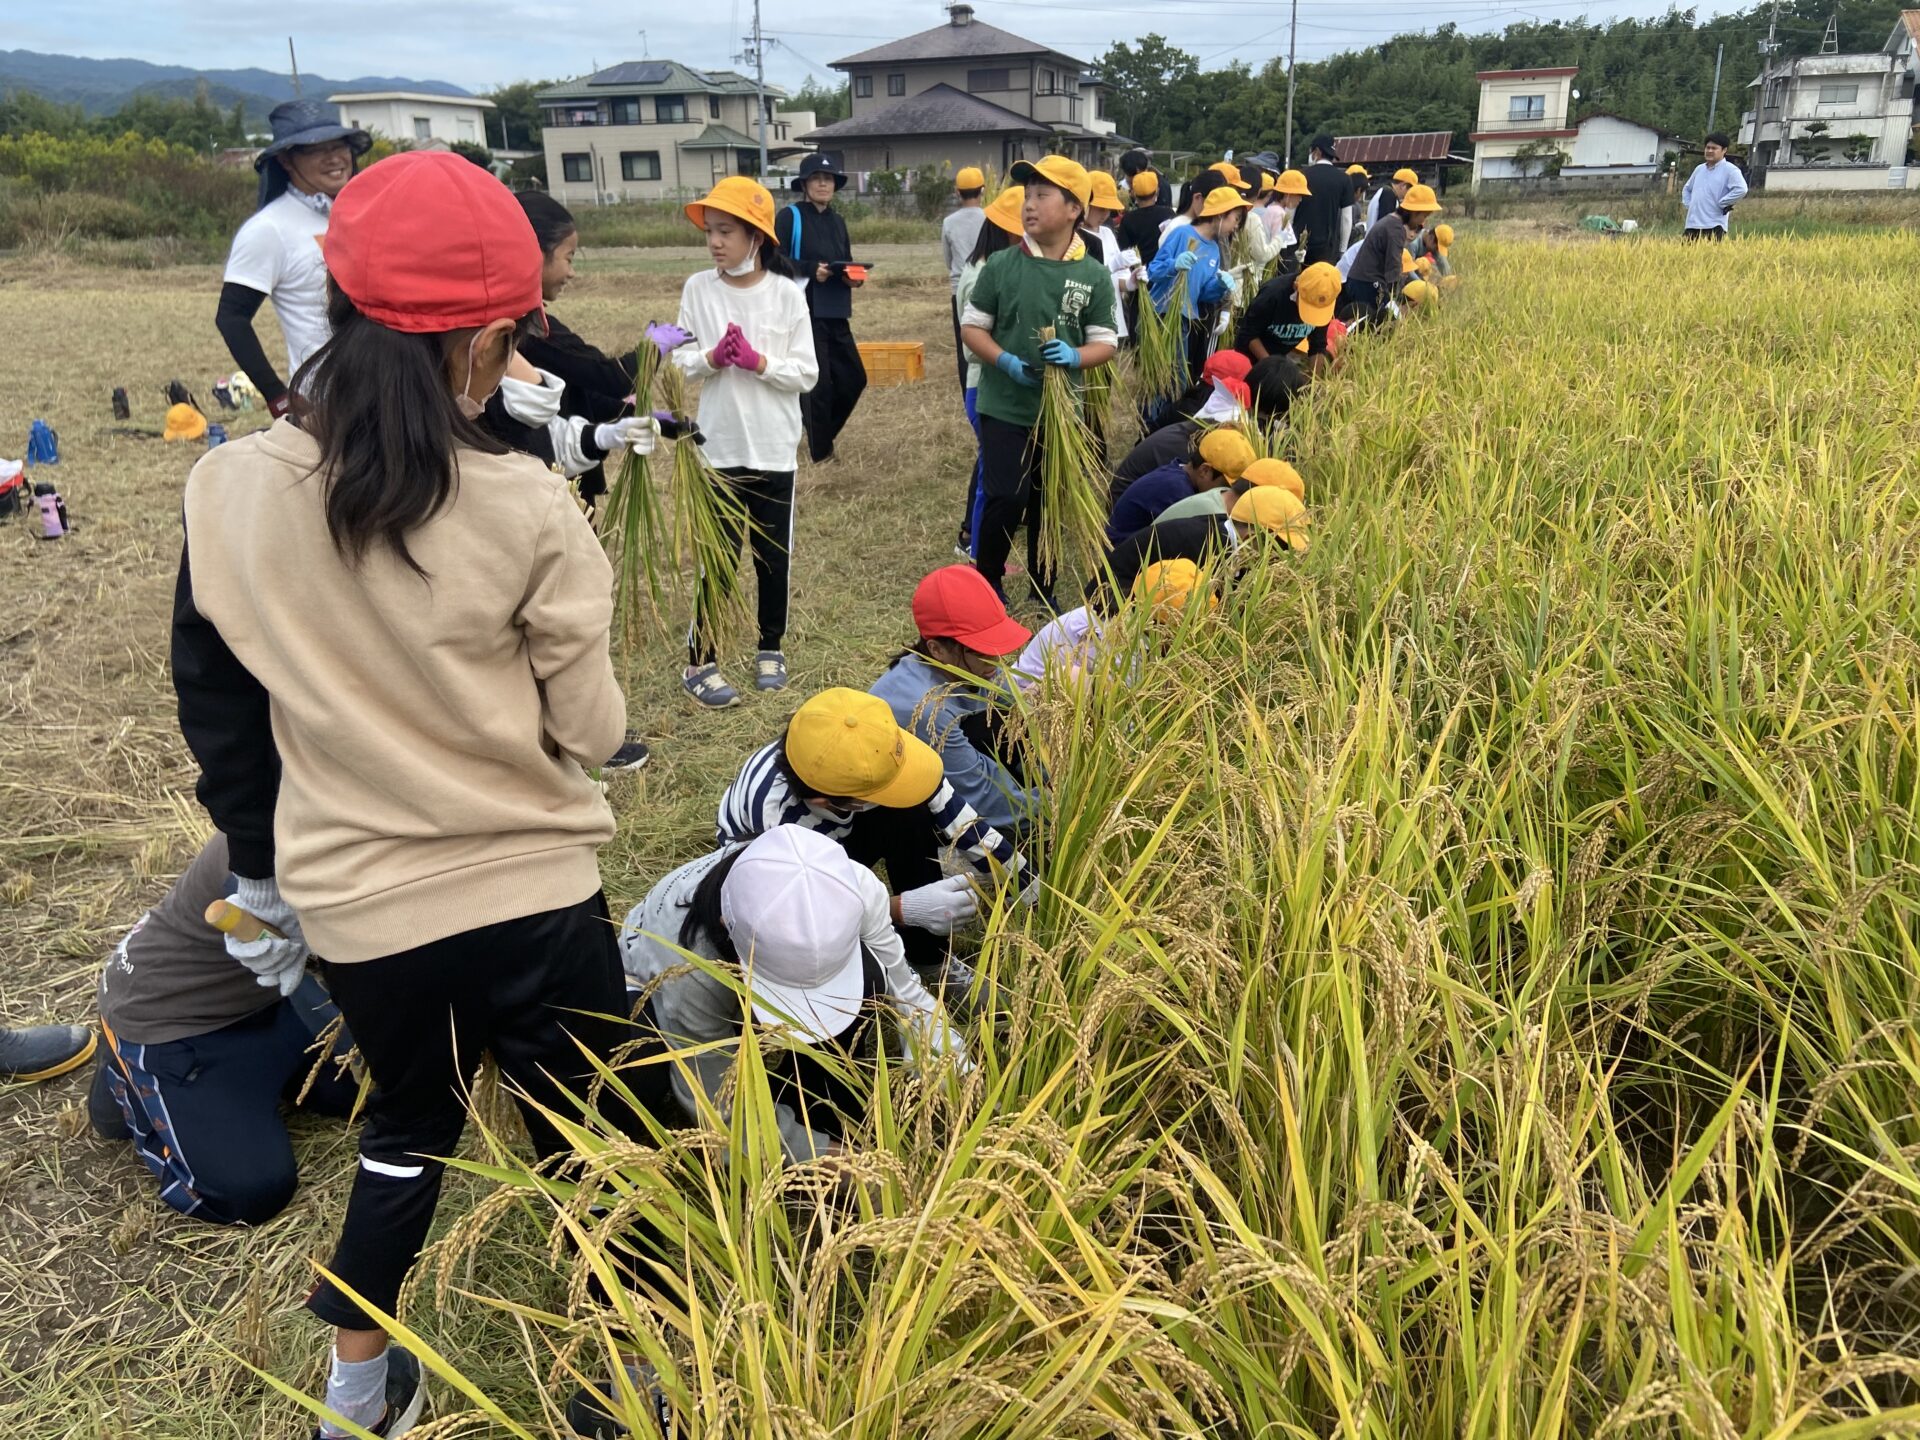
(552, 222)
(991, 242)
(703, 912)
(384, 417)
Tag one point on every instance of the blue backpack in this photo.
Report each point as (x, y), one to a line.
(43, 445)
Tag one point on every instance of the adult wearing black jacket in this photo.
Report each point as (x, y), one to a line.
(814, 234)
(1326, 215)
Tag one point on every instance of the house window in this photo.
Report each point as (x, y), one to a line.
(1527, 107)
(577, 169)
(422, 128)
(670, 109)
(1839, 94)
(863, 87)
(979, 80)
(1100, 104)
(626, 112)
(639, 164)
(896, 84)
(466, 128)
(713, 107)
(1045, 83)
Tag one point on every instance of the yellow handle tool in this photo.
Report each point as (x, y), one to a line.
(242, 925)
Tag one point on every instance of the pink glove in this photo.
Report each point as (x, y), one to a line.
(743, 356)
(723, 352)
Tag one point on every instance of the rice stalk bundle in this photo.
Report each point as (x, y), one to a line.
(633, 524)
(1097, 387)
(1073, 511)
(710, 524)
(1161, 353)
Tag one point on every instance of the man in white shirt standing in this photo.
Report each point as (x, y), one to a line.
(276, 256)
(1712, 191)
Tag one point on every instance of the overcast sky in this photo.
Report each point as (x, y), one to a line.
(482, 43)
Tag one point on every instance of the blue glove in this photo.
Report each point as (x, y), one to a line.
(1017, 370)
(1186, 261)
(1059, 352)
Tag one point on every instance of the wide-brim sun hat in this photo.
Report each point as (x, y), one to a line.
(309, 122)
(818, 165)
(794, 909)
(742, 197)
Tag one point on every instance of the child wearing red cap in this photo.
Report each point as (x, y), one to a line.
(754, 352)
(390, 645)
(937, 691)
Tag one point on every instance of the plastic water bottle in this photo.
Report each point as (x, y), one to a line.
(53, 511)
(216, 435)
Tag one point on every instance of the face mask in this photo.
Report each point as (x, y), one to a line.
(746, 266)
(464, 402)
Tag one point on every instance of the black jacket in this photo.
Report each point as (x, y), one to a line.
(1196, 538)
(1140, 229)
(226, 720)
(598, 384)
(822, 237)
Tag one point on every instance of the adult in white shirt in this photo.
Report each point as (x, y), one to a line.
(276, 256)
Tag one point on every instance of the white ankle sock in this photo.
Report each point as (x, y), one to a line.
(356, 1389)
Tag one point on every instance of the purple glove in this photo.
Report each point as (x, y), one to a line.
(666, 338)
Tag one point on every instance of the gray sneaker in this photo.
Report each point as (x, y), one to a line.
(708, 690)
(769, 670)
(40, 1052)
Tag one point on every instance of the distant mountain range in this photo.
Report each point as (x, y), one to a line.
(103, 86)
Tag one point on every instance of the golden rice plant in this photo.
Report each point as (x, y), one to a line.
(710, 525)
(1160, 350)
(633, 525)
(1472, 992)
(1073, 511)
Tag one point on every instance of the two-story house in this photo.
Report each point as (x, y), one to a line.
(418, 118)
(966, 93)
(1838, 122)
(1523, 117)
(651, 129)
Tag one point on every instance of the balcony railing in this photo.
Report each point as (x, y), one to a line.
(1538, 122)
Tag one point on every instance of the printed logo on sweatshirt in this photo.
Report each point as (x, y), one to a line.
(1074, 296)
(1296, 331)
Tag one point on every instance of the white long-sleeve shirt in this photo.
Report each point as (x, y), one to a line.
(1710, 192)
(750, 421)
(698, 1009)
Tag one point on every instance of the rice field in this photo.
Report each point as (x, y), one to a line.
(1472, 995)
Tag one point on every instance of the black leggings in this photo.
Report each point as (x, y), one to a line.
(769, 502)
(526, 990)
(836, 394)
(1010, 495)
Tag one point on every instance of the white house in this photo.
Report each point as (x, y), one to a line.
(1837, 122)
(1523, 114)
(405, 115)
(1609, 144)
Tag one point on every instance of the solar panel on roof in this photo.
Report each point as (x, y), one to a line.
(634, 72)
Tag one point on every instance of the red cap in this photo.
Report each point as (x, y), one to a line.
(1226, 365)
(957, 603)
(427, 241)
(1238, 389)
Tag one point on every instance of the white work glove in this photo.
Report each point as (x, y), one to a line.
(932, 1036)
(942, 907)
(276, 964)
(638, 433)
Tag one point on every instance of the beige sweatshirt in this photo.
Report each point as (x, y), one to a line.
(432, 733)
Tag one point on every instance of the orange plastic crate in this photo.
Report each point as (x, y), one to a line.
(894, 362)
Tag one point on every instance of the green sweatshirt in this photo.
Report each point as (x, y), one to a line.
(1016, 296)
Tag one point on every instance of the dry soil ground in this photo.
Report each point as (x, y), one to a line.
(119, 1318)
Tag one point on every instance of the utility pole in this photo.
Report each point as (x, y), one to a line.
(295, 63)
(1293, 35)
(756, 52)
(1767, 47)
(1713, 105)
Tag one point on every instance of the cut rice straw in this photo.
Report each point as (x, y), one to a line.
(1073, 515)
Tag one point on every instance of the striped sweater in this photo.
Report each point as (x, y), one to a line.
(761, 797)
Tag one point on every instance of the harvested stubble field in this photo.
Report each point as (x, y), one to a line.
(1474, 995)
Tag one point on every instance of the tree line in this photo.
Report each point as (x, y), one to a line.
(1658, 72)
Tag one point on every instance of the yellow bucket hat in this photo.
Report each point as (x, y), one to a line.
(742, 197)
(1220, 200)
(1293, 182)
(1277, 473)
(1421, 199)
